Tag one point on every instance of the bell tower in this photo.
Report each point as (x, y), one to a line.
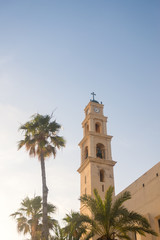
(96, 170)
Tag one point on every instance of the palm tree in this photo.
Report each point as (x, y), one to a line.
(29, 217)
(77, 225)
(112, 219)
(41, 140)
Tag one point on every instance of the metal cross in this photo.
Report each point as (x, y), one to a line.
(93, 95)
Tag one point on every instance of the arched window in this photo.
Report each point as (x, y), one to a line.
(101, 175)
(98, 127)
(100, 152)
(86, 152)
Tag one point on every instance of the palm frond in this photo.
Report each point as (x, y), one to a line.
(118, 203)
(77, 225)
(54, 127)
(89, 202)
(58, 141)
(123, 236)
(108, 205)
(21, 143)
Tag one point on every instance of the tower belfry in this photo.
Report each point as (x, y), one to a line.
(96, 170)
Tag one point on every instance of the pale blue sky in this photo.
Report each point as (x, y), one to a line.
(53, 54)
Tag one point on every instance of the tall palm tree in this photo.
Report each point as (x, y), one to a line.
(41, 140)
(112, 219)
(29, 217)
(77, 225)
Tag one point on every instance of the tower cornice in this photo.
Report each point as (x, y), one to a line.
(93, 104)
(99, 135)
(97, 161)
(94, 116)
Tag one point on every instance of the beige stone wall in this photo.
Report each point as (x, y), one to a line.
(145, 199)
(85, 183)
(108, 178)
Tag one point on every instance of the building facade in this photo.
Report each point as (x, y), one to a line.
(145, 192)
(96, 170)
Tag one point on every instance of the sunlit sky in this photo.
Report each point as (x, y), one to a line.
(53, 54)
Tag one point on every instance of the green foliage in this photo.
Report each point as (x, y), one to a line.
(40, 136)
(77, 225)
(112, 219)
(29, 217)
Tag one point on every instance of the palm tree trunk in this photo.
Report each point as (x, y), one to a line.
(32, 232)
(45, 194)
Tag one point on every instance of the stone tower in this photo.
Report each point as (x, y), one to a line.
(96, 170)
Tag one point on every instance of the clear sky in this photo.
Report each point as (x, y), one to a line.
(53, 54)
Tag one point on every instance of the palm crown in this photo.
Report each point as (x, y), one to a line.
(29, 217)
(41, 136)
(112, 219)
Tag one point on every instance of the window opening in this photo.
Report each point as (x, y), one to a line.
(97, 127)
(100, 152)
(101, 175)
(87, 128)
(86, 152)
(102, 188)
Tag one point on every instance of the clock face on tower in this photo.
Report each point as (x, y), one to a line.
(97, 110)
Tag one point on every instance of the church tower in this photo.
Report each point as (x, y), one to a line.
(96, 170)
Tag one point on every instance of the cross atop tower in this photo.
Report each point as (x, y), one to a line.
(93, 100)
(93, 96)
